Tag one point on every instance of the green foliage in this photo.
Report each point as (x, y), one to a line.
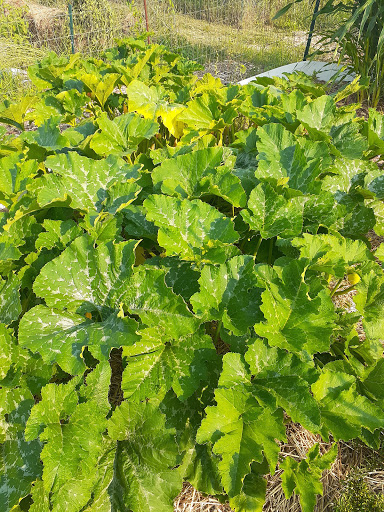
(356, 496)
(359, 36)
(229, 12)
(150, 220)
(303, 477)
(13, 22)
(96, 23)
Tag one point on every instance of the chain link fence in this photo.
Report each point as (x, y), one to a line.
(232, 39)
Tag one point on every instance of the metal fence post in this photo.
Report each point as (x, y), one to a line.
(317, 5)
(71, 27)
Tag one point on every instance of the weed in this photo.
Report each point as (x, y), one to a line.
(358, 497)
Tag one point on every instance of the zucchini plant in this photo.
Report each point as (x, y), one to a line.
(166, 252)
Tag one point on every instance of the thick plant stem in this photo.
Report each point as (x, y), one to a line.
(343, 292)
(337, 285)
(257, 246)
(270, 251)
(217, 332)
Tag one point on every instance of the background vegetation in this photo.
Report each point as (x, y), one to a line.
(232, 39)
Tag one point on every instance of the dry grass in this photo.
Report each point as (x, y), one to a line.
(189, 500)
(299, 441)
(350, 455)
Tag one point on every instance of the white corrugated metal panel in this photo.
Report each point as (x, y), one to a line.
(323, 70)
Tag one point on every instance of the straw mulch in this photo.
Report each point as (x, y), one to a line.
(299, 441)
(350, 457)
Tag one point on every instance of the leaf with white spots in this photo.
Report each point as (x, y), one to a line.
(10, 306)
(270, 213)
(158, 363)
(199, 173)
(82, 183)
(194, 230)
(60, 336)
(148, 296)
(147, 453)
(8, 351)
(229, 293)
(87, 279)
(283, 160)
(73, 435)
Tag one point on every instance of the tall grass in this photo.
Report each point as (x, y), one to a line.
(357, 39)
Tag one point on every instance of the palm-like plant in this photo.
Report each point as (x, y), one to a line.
(359, 39)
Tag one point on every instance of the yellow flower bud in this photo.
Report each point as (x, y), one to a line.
(353, 278)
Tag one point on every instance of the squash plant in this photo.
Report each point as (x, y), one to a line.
(166, 251)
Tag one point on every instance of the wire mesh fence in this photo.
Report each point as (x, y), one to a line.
(231, 38)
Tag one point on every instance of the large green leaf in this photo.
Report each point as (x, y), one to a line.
(19, 467)
(147, 296)
(292, 393)
(294, 320)
(282, 159)
(87, 279)
(270, 214)
(107, 488)
(8, 352)
(57, 234)
(147, 101)
(266, 362)
(15, 174)
(14, 113)
(122, 135)
(374, 380)
(61, 336)
(343, 410)
(181, 275)
(158, 362)
(74, 440)
(276, 147)
(331, 254)
(200, 469)
(347, 141)
(370, 301)
(321, 211)
(100, 87)
(233, 425)
(192, 229)
(19, 458)
(252, 496)
(375, 129)
(83, 183)
(319, 115)
(136, 225)
(199, 173)
(10, 306)
(47, 138)
(145, 458)
(205, 113)
(344, 174)
(281, 378)
(19, 232)
(9, 255)
(228, 293)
